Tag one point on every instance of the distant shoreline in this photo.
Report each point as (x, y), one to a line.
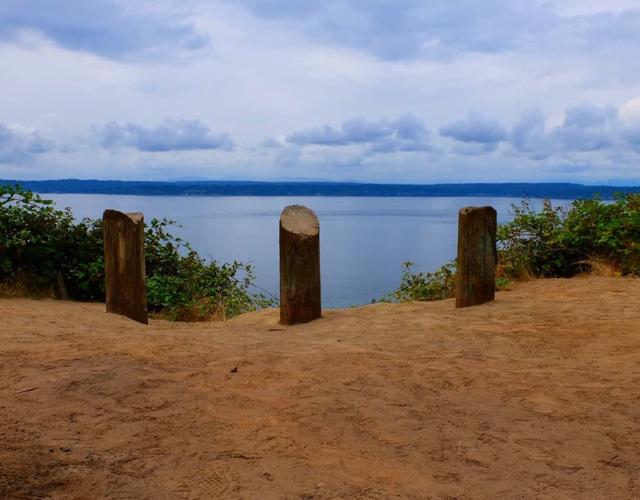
(328, 189)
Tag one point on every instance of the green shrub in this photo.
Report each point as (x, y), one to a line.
(42, 248)
(186, 287)
(437, 285)
(555, 242)
(606, 231)
(548, 242)
(43, 251)
(531, 245)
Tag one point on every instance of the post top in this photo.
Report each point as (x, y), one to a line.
(300, 220)
(467, 210)
(133, 216)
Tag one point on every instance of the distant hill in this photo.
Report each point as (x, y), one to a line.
(249, 188)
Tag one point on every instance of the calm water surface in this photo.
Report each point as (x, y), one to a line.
(363, 241)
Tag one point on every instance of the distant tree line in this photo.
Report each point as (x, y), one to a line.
(246, 188)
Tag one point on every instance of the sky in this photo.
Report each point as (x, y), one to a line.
(410, 91)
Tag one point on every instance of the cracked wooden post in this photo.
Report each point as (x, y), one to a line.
(126, 288)
(299, 265)
(477, 256)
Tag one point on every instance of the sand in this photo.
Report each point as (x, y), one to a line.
(534, 396)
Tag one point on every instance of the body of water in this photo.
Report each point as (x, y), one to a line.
(363, 241)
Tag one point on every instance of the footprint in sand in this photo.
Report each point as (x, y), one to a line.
(542, 403)
(219, 483)
(536, 449)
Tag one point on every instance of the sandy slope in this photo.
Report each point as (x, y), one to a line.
(534, 396)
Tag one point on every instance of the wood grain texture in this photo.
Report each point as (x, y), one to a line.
(299, 266)
(477, 256)
(126, 289)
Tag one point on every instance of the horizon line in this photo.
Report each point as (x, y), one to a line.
(608, 184)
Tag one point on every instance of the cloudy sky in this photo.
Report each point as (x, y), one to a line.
(368, 90)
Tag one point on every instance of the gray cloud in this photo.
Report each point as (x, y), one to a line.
(17, 145)
(270, 142)
(632, 135)
(408, 28)
(324, 136)
(406, 133)
(527, 131)
(528, 135)
(108, 28)
(402, 29)
(475, 129)
(172, 135)
(588, 128)
(585, 128)
(613, 28)
(589, 116)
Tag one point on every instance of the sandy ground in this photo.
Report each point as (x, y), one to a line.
(534, 396)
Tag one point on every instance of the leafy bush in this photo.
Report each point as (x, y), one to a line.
(438, 285)
(555, 242)
(43, 251)
(549, 242)
(531, 244)
(42, 248)
(188, 288)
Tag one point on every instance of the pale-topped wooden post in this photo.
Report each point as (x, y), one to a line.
(299, 265)
(124, 264)
(477, 256)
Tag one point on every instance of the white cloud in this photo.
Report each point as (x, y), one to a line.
(107, 28)
(269, 73)
(630, 111)
(18, 144)
(171, 135)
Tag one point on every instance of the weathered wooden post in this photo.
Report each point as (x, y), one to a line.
(124, 264)
(299, 265)
(477, 256)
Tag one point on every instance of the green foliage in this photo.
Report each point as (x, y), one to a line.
(43, 250)
(561, 243)
(186, 287)
(41, 246)
(503, 283)
(531, 243)
(548, 242)
(437, 285)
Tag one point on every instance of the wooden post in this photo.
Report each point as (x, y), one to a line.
(299, 265)
(124, 264)
(477, 256)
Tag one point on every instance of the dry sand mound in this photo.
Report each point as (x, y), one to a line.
(534, 396)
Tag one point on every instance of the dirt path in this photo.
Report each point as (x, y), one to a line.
(534, 396)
